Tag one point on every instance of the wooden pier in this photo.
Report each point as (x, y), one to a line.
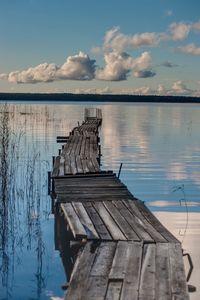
(112, 246)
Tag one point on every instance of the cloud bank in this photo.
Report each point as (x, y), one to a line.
(77, 67)
(119, 65)
(80, 67)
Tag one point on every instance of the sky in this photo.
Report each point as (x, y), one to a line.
(123, 47)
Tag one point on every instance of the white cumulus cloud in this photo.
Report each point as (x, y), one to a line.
(189, 49)
(118, 41)
(179, 31)
(77, 67)
(179, 88)
(119, 65)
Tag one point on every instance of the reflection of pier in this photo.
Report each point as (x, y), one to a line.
(111, 245)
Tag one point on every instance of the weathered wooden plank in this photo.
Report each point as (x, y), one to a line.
(73, 164)
(137, 225)
(67, 165)
(163, 285)
(101, 180)
(103, 260)
(85, 220)
(121, 221)
(81, 271)
(98, 224)
(82, 150)
(70, 143)
(85, 167)
(114, 290)
(79, 165)
(98, 278)
(88, 198)
(90, 165)
(73, 221)
(147, 276)
(132, 272)
(155, 222)
(87, 147)
(56, 167)
(92, 191)
(78, 148)
(109, 221)
(102, 174)
(157, 237)
(119, 264)
(62, 166)
(177, 272)
(95, 163)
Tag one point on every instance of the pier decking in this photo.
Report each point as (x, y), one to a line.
(122, 250)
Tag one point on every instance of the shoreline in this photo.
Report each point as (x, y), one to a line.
(65, 97)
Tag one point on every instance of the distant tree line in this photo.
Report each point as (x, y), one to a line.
(62, 97)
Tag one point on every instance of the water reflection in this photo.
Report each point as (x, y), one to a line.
(23, 207)
(158, 145)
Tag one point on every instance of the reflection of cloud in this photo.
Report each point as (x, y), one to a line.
(163, 203)
(176, 171)
(123, 119)
(195, 176)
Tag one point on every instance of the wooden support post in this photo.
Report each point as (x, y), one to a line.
(49, 182)
(53, 160)
(119, 170)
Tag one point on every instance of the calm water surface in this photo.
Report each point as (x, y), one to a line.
(159, 146)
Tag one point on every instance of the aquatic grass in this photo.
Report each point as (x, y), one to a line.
(183, 202)
(22, 184)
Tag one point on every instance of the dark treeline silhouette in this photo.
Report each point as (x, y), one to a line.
(95, 98)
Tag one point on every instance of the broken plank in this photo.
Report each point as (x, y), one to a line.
(85, 220)
(114, 290)
(73, 221)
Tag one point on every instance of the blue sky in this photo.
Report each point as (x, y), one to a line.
(141, 47)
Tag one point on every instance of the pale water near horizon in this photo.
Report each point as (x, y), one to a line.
(159, 146)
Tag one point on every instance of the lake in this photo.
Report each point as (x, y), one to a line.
(159, 146)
